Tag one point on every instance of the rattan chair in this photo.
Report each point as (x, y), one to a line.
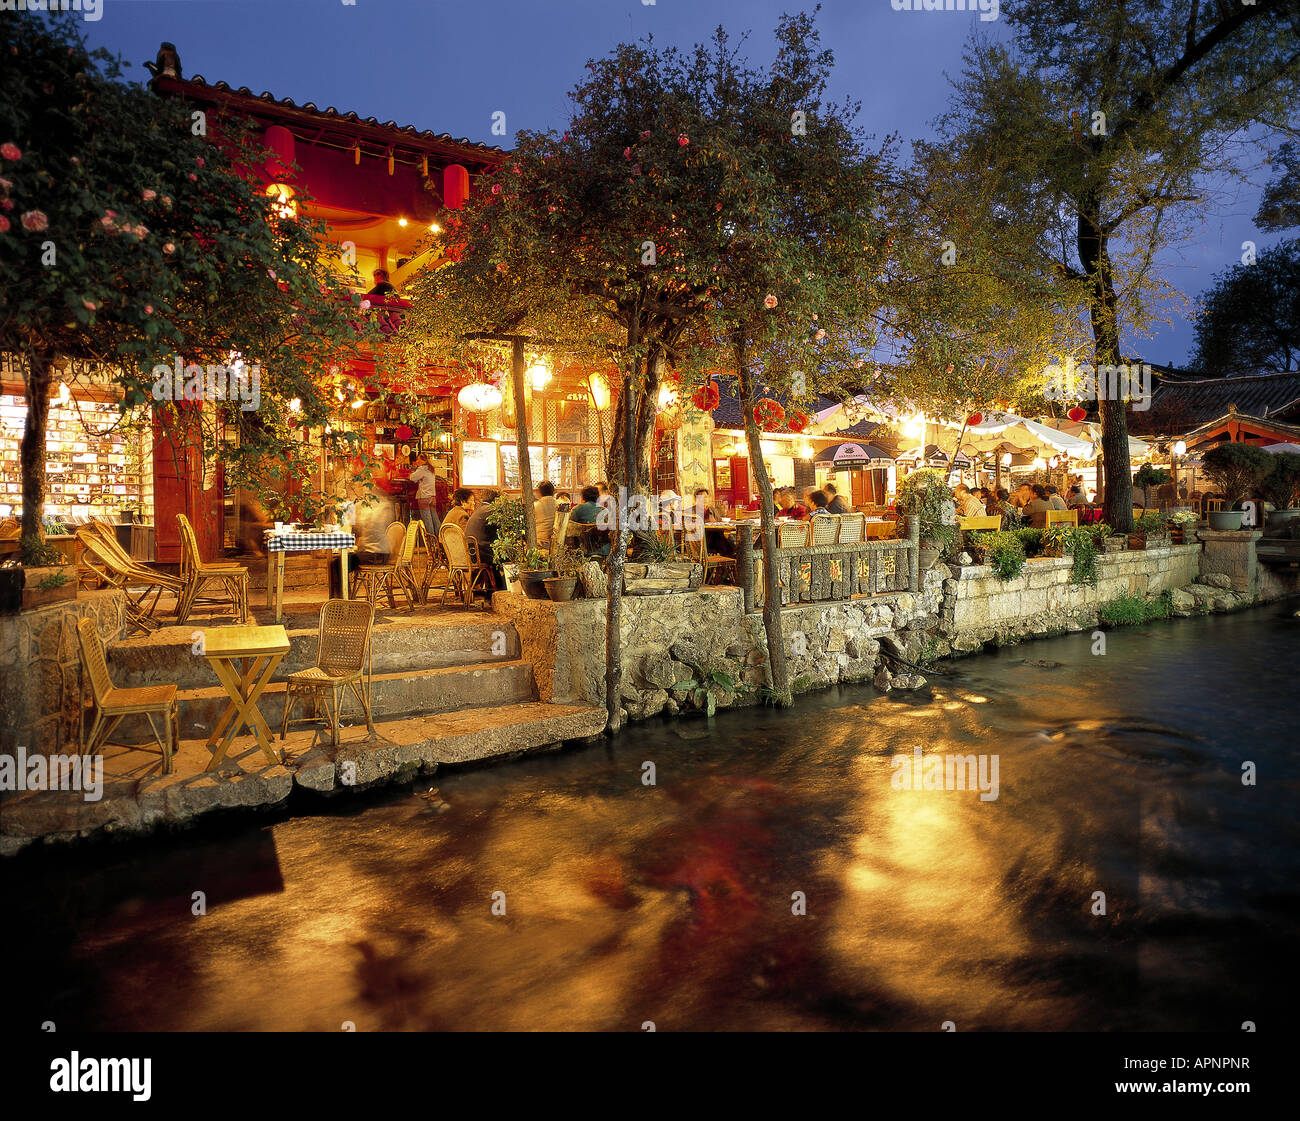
(197, 574)
(466, 572)
(695, 544)
(793, 535)
(113, 705)
(114, 568)
(434, 559)
(825, 529)
(343, 662)
(397, 574)
(851, 529)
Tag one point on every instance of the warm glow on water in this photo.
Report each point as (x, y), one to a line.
(1117, 774)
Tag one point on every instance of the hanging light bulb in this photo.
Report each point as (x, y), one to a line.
(914, 426)
(539, 376)
(1006, 459)
(65, 394)
(1039, 464)
(1180, 448)
(599, 392)
(295, 405)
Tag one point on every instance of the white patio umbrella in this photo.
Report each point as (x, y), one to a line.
(1091, 431)
(998, 428)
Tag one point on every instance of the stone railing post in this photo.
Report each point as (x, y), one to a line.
(745, 563)
(913, 524)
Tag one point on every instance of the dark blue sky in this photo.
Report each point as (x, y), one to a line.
(447, 65)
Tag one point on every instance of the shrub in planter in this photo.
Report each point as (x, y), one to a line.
(1236, 469)
(1003, 552)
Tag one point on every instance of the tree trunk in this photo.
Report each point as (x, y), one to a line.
(1103, 309)
(621, 481)
(38, 373)
(517, 375)
(778, 671)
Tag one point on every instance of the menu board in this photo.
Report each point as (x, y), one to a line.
(478, 463)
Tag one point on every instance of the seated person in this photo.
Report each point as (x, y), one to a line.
(563, 500)
(1076, 497)
(462, 506)
(382, 287)
(716, 541)
(1054, 499)
(820, 503)
(787, 507)
(837, 505)
(1035, 510)
(968, 506)
(588, 514)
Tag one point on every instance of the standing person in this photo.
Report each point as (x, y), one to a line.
(382, 287)
(837, 505)
(426, 495)
(544, 512)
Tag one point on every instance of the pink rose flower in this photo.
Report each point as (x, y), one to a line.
(90, 305)
(11, 151)
(365, 305)
(645, 135)
(682, 141)
(169, 248)
(496, 188)
(148, 309)
(198, 161)
(4, 224)
(8, 204)
(769, 302)
(36, 221)
(193, 178)
(148, 195)
(550, 210)
(820, 335)
(140, 232)
(627, 153)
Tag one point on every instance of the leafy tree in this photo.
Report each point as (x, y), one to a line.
(129, 241)
(1279, 207)
(1250, 319)
(1098, 127)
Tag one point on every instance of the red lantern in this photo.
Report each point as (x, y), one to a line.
(974, 419)
(1077, 413)
(706, 398)
(798, 422)
(404, 432)
(769, 414)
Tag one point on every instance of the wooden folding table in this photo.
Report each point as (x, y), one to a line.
(260, 650)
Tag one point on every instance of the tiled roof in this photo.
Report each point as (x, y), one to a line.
(441, 142)
(1204, 399)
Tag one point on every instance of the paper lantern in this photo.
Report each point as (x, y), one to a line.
(1077, 413)
(768, 414)
(479, 397)
(706, 398)
(455, 186)
(404, 432)
(974, 419)
(798, 422)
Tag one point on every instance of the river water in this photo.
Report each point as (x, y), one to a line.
(676, 903)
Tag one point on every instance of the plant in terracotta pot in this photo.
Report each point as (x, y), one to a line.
(1148, 530)
(925, 496)
(1281, 487)
(1236, 470)
(564, 583)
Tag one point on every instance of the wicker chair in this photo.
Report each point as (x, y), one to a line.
(852, 527)
(695, 544)
(196, 574)
(825, 529)
(343, 661)
(793, 535)
(397, 574)
(113, 705)
(115, 569)
(465, 571)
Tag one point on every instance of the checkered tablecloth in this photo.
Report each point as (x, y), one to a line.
(293, 542)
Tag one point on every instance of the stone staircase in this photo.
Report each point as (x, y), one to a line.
(427, 666)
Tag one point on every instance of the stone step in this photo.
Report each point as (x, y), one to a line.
(393, 694)
(421, 743)
(417, 642)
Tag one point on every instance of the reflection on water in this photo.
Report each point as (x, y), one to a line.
(676, 903)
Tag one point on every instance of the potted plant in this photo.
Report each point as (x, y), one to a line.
(1180, 524)
(1281, 487)
(511, 551)
(1148, 531)
(1236, 470)
(534, 570)
(925, 496)
(1005, 553)
(1149, 476)
(47, 577)
(562, 586)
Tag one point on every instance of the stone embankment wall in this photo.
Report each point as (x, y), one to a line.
(980, 608)
(667, 639)
(40, 669)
